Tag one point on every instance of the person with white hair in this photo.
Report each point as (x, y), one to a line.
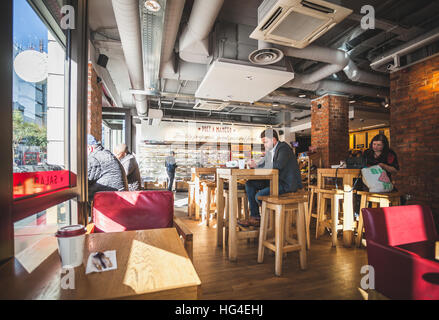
(105, 172)
(131, 167)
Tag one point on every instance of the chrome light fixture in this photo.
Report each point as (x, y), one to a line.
(152, 5)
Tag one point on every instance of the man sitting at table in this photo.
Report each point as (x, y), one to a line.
(280, 156)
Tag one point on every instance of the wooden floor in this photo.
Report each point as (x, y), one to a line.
(333, 273)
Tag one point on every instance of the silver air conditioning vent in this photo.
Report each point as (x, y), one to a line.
(296, 23)
(210, 105)
(266, 56)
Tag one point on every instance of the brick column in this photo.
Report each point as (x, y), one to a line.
(94, 104)
(330, 128)
(414, 131)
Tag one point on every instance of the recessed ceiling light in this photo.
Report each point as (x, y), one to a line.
(152, 5)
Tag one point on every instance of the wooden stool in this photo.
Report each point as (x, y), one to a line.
(334, 196)
(208, 200)
(191, 199)
(198, 198)
(283, 205)
(244, 232)
(310, 214)
(381, 199)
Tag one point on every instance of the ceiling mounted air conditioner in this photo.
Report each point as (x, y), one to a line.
(210, 105)
(296, 23)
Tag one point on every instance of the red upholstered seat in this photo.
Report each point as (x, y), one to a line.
(132, 210)
(400, 247)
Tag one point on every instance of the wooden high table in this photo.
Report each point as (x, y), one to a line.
(151, 264)
(348, 176)
(232, 175)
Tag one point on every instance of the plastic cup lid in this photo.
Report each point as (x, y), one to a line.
(71, 231)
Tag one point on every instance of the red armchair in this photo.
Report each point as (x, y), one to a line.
(115, 211)
(401, 248)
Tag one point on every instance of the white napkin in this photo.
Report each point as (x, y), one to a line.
(111, 254)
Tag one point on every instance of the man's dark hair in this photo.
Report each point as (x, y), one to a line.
(270, 133)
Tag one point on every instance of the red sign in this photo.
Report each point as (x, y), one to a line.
(30, 183)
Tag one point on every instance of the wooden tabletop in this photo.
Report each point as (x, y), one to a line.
(199, 171)
(339, 171)
(151, 264)
(243, 173)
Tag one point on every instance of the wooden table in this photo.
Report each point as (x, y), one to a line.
(196, 177)
(151, 264)
(232, 175)
(348, 176)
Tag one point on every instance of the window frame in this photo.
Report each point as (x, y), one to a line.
(76, 74)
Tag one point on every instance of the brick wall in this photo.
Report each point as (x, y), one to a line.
(94, 105)
(330, 128)
(414, 131)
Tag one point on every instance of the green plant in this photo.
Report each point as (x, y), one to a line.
(28, 133)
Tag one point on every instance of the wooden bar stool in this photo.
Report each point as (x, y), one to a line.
(283, 206)
(381, 199)
(310, 214)
(208, 200)
(191, 199)
(334, 196)
(243, 211)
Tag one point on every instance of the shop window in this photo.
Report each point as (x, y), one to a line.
(31, 230)
(40, 161)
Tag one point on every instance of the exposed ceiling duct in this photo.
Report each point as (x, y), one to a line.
(330, 86)
(174, 10)
(152, 38)
(338, 60)
(394, 54)
(194, 41)
(127, 14)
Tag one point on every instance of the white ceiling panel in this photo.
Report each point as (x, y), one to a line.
(230, 80)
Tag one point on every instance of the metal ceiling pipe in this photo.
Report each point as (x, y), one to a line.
(194, 41)
(185, 71)
(174, 10)
(357, 75)
(287, 100)
(338, 60)
(128, 23)
(325, 86)
(405, 49)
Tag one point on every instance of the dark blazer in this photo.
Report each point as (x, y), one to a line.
(285, 161)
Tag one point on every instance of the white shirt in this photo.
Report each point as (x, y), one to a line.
(273, 151)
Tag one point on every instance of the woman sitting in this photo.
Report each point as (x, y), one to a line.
(380, 154)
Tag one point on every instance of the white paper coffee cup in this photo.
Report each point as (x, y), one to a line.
(241, 163)
(71, 245)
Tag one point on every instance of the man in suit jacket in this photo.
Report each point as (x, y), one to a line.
(280, 156)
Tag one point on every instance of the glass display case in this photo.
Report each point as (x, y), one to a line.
(151, 158)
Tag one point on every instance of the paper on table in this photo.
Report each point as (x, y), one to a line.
(111, 254)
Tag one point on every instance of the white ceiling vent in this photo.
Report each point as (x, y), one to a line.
(296, 23)
(231, 80)
(210, 105)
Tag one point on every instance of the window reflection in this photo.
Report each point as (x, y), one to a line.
(39, 163)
